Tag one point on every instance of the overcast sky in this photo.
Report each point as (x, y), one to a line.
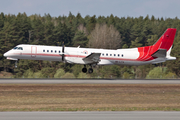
(120, 8)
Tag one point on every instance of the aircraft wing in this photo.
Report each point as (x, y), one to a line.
(92, 58)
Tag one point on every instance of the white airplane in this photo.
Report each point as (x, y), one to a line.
(157, 53)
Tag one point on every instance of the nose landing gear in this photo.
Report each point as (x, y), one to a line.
(16, 63)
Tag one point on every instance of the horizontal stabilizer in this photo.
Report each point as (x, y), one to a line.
(160, 53)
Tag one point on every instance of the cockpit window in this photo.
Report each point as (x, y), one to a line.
(20, 48)
(15, 48)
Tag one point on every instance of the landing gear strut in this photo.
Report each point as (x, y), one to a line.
(16, 63)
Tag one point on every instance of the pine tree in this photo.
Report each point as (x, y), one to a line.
(136, 43)
(80, 39)
(38, 31)
(152, 39)
(111, 20)
(48, 31)
(91, 24)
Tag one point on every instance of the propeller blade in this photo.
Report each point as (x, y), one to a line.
(63, 51)
(62, 57)
(63, 47)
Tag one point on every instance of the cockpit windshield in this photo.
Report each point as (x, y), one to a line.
(20, 48)
(17, 48)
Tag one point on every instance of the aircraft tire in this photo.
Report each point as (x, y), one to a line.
(90, 70)
(84, 70)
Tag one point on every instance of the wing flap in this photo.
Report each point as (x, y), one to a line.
(92, 58)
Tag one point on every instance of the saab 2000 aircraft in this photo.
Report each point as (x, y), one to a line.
(157, 53)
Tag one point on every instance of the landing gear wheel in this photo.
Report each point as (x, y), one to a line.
(84, 70)
(90, 70)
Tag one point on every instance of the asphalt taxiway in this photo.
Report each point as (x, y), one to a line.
(109, 115)
(89, 81)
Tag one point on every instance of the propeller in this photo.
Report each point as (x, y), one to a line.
(63, 51)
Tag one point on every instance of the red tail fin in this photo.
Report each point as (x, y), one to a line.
(165, 41)
(160, 48)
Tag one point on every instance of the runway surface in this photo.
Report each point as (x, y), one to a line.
(135, 115)
(88, 81)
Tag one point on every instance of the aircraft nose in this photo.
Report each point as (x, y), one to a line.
(6, 54)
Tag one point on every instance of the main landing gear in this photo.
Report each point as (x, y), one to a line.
(90, 70)
(84, 70)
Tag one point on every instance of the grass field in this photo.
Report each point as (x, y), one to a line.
(89, 97)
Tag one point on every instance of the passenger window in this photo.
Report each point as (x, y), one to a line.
(118, 55)
(55, 51)
(122, 55)
(103, 54)
(43, 50)
(114, 54)
(51, 50)
(110, 54)
(106, 54)
(47, 50)
(59, 51)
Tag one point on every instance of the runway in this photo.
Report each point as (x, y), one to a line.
(89, 81)
(109, 115)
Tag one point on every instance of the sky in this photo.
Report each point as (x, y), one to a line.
(119, 8)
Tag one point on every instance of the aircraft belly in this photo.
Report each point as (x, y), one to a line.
(39, 57)
(105, 62)
(75, 60)
(119, 62)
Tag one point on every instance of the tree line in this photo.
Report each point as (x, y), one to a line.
(109, 32)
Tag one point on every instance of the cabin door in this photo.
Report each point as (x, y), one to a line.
(33, 51)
